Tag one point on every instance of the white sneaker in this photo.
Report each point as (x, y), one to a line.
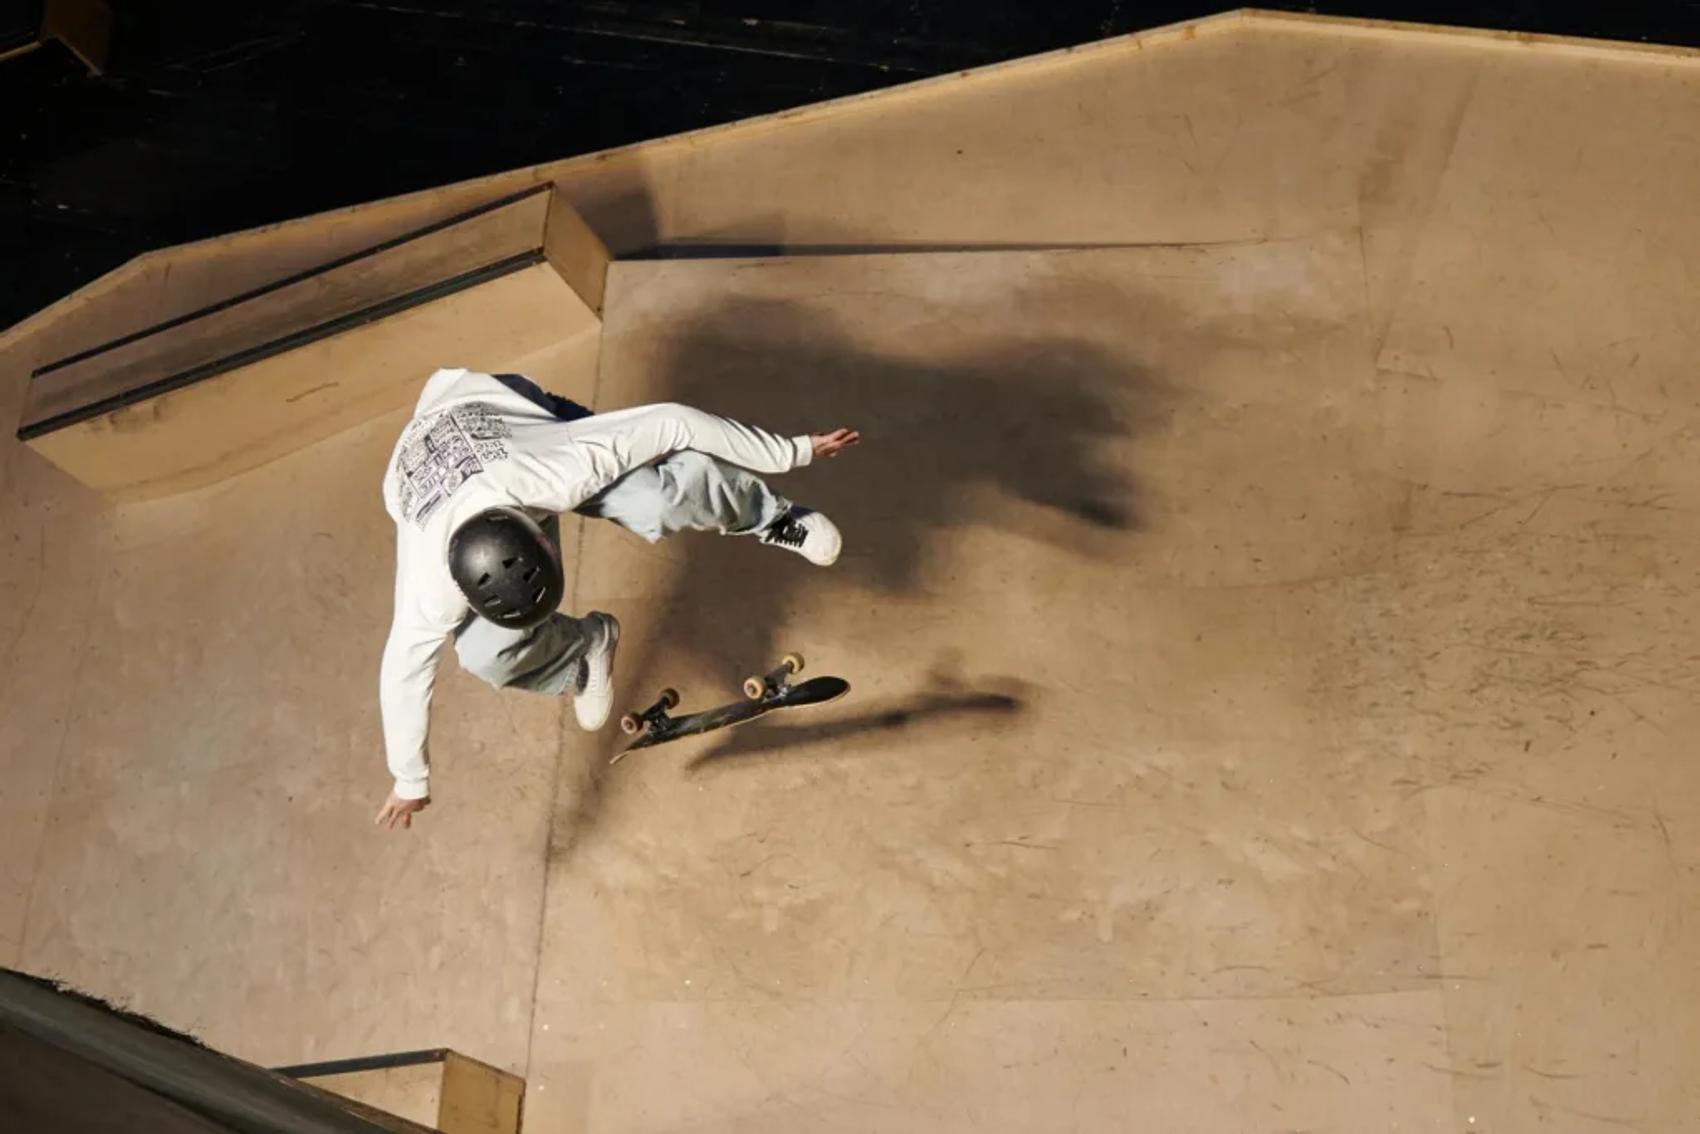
(808, 533)
(595, 697)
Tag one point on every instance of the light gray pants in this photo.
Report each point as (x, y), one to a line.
(687, 491)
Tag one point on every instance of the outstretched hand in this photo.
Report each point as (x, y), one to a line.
(400, 812)
(834, 443)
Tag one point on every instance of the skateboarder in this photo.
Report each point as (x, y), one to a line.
(476, 485)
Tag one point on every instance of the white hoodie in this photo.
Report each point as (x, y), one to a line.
(476, 442)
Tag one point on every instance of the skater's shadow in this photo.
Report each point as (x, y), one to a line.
(990, 426)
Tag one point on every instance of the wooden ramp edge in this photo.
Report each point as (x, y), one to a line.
(438, 1088)
(264, 372)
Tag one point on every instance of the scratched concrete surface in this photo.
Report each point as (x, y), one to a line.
(1272, 648)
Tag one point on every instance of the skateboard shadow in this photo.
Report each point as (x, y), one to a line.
(767, 738)
(1016, 430)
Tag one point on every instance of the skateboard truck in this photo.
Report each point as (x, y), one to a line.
(632, 723)
(774, 683)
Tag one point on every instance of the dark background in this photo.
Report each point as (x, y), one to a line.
(218, 116)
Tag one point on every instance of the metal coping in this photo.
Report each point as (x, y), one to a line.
(363, 1063)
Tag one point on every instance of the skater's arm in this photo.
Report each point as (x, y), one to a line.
(409, 673)
(404, 697)
(638, 436)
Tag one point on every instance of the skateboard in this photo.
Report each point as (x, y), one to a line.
(763, 694)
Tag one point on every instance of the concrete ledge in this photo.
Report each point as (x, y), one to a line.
(249, 378)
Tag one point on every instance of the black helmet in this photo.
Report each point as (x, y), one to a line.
(508, 568)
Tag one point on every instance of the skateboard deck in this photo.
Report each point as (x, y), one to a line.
(763, 694)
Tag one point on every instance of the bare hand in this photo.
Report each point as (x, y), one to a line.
(834, 443)
(400, 811)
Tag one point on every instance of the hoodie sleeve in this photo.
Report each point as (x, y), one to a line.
(409, 668)
(627, 439)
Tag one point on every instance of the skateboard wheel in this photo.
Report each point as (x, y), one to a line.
(754, 687)
(629, 724)
(670, 698)
(793, 662)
